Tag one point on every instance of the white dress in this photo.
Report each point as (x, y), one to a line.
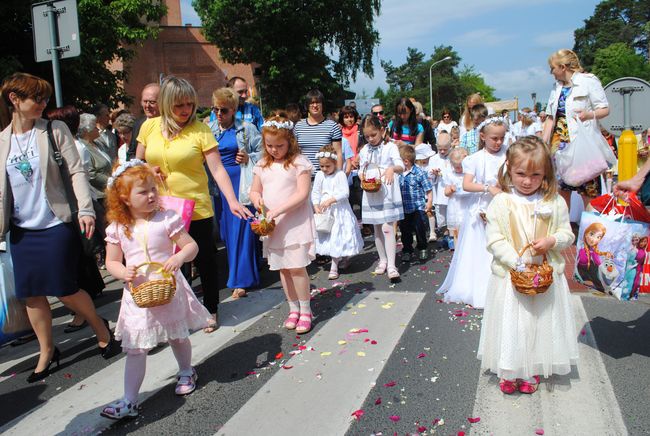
(385, 205)
(441, 163)
(345, 238)
(459, 201)
(467, 278)
(523, 335)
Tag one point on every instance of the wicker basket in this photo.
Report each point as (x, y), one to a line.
(262, 226)
(154, 293)
(373, 184)
(536, 279)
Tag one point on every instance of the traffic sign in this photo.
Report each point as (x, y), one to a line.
(67, 30)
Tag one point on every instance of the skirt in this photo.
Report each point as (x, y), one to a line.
(45, 261)
(293, 256)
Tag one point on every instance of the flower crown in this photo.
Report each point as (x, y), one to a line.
(123, 167)
(278, 124)
(326, 154)
(493, 120)
(530, 115)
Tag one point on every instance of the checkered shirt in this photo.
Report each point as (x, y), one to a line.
(414, 186)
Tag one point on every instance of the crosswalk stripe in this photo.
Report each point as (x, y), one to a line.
(76, 410)
(324, 384)
(582, 403)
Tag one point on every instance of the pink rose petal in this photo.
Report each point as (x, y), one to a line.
(421, 355)
(583, 332)
(390, 384)
(373, 342)
(539, 431)
(461, 433)
(287, 366)
(279, 356)
(421, 429)
(474, 420)
(358, 414)
(394, 418)
(378, 401)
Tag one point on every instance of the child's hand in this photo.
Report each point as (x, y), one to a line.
(317, 208)
(436, 171)
(130, 273)
(327, 203)
(272, 214)
(173, 263)
(449, 190)
(257, 202)
(542, 245)
(389, 175)
(494, 190)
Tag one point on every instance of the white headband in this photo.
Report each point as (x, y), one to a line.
(530, 115)
(278, 125)
(493, 120)
(326, 154)
(120, 170)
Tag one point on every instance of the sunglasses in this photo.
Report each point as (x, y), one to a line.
(40, 99)
(378, 113)
(223, 110)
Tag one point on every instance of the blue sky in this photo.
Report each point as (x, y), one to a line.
(507, 41)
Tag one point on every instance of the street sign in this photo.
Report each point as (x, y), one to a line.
(67, 26)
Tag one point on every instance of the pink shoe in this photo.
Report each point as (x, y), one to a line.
(304, 323)
(527, 387)
(292, 320)
(508, 387)
(186, 383)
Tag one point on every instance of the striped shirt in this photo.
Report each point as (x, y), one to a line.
(312, 137)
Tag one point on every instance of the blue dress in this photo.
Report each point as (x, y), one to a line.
(243, 271)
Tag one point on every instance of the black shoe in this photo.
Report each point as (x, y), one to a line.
(113, 348)
(71, 328)
(23, 340)
(36, 376)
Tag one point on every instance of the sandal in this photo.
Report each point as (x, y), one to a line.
(333, 275)
(508, 387)
(292, 320)
(238, 293)
(213, 325)
(120, 409)
(393, 273)
(380, 269)
(528, 387)
(186, 384)
(304, 323)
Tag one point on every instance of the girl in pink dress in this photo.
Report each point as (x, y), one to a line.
(281, 183)
(141, 232)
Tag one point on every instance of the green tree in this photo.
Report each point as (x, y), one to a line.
(614, 21)
(473, 82)
(298, 45)
(106, 30)
(619, 60)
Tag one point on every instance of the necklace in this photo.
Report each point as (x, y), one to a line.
(24, 166)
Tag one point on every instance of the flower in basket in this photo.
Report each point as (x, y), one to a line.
(371, 180)
(543, 210)
(260, 224)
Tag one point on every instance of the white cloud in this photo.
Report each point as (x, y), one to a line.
(521, 83)
(486, 37)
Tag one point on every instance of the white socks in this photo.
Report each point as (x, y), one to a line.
(305, 307)
(293, 306)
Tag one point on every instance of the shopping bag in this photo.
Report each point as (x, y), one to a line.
(584, 158)
(13, 315)
(611, 254)
(182, 206)
(324, 222)
(631, 209)
(245, 182)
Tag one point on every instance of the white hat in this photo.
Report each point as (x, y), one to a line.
(423, 151)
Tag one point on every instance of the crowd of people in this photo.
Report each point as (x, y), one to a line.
(486, 185)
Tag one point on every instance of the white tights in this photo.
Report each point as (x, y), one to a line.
(386, 243)
(136, 366)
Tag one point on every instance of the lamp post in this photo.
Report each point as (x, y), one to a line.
(446, 58)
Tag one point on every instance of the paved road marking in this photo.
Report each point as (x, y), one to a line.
(319, 392)
(581, 403)
(76, 410)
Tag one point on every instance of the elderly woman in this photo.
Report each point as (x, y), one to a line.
(576, 97)
(44, 245)
(123, 125)
(178, 145)
(239, 146)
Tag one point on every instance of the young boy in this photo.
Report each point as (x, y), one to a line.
(417, 201)
(469, 141)
(437, 165)
(452, 181)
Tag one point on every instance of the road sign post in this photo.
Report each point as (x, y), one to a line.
(56, 36)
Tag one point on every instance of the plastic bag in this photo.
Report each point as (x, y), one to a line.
(13, 315)
(584, 158)
(324, 222)
(245, 182)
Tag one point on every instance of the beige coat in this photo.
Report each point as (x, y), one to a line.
(54, 188)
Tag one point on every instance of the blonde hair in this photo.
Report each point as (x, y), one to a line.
(407, 152)
(466, 119)
(532, 149)
(173, 91)
(566, 57)
(526, 121)
(226, 95)
(457, 154)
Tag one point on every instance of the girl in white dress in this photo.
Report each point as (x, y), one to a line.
(380, 159)
(329, 195)
(452, 183)
(525, 336)
(438, 165)
(466, 280)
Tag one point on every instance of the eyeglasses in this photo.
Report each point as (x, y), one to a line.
(223, 110)
(378, 113)
(315, 103)
(40, 99)
(446, 116)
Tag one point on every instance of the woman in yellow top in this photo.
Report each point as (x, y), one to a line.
(178, 145)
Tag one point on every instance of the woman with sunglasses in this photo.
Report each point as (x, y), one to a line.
(446, 123)
(177, 145)
(239, 146)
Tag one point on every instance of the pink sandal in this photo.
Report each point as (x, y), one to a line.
(380, 269)
(292, 320)
(304, 323)
(527, 387)
(508, 387)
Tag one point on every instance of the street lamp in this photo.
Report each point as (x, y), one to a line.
(446, 58)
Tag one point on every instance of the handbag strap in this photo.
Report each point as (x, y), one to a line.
(65, 173)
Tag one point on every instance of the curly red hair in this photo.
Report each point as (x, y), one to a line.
(116, 208)
(294, 148)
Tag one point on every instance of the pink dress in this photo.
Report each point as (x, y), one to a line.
(291, 244)
(145, 328)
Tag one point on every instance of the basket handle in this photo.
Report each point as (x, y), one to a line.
(164, 273)
(528, 246)
(365, 167)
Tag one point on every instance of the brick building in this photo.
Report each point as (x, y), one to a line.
(184, 52)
